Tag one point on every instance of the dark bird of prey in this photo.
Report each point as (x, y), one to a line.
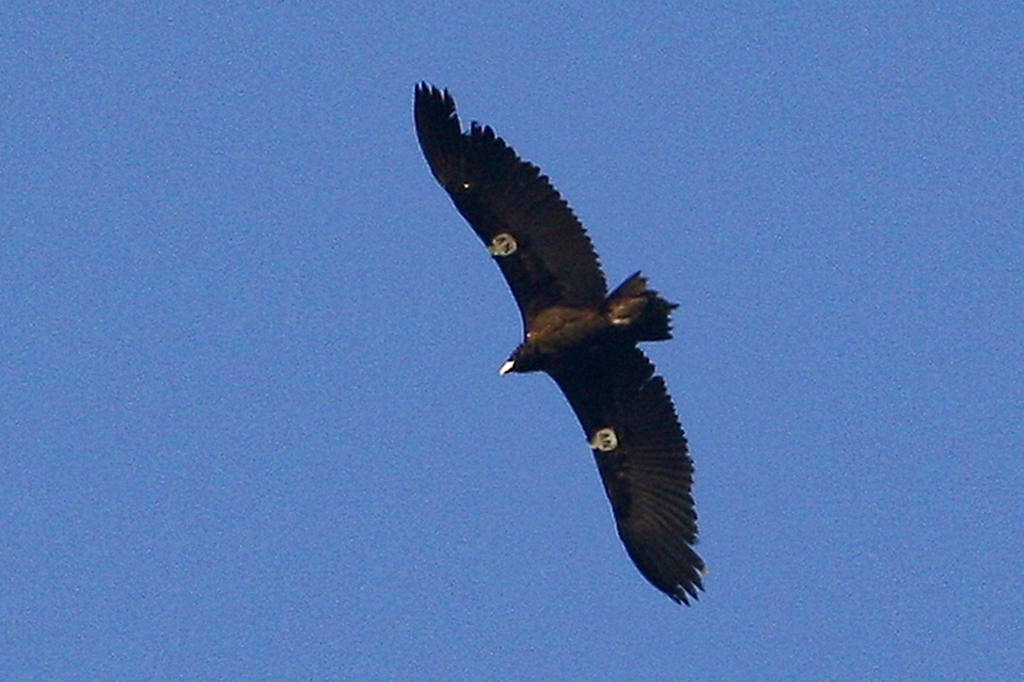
(580, 335)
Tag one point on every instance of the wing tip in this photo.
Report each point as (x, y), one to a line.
(426, 90)
(689, 589)
(687, 582)
(438, 129)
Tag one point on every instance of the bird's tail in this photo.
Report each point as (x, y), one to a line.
(640, 310)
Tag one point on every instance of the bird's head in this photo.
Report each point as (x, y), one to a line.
(525, 358)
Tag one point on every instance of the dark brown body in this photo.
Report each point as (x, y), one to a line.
(630, 314)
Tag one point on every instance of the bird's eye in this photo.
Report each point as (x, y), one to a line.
(604, 440)
(503, 245)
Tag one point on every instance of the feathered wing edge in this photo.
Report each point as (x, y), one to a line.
(439, 132)
(551, 260)
(648, 475)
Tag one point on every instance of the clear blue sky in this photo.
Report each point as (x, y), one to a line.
(251, 425)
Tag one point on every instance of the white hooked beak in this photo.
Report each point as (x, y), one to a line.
(507, 367)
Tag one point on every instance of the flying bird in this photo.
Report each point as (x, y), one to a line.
(580, 335)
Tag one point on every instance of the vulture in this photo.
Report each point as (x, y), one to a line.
(580, 335)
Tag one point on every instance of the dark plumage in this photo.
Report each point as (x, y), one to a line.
(583, 337)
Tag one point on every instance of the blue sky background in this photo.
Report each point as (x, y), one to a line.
(251, 425)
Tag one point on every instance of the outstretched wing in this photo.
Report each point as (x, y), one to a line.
(641, 454)
(540, 246)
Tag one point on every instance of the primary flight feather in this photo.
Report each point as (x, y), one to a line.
(579, 334)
